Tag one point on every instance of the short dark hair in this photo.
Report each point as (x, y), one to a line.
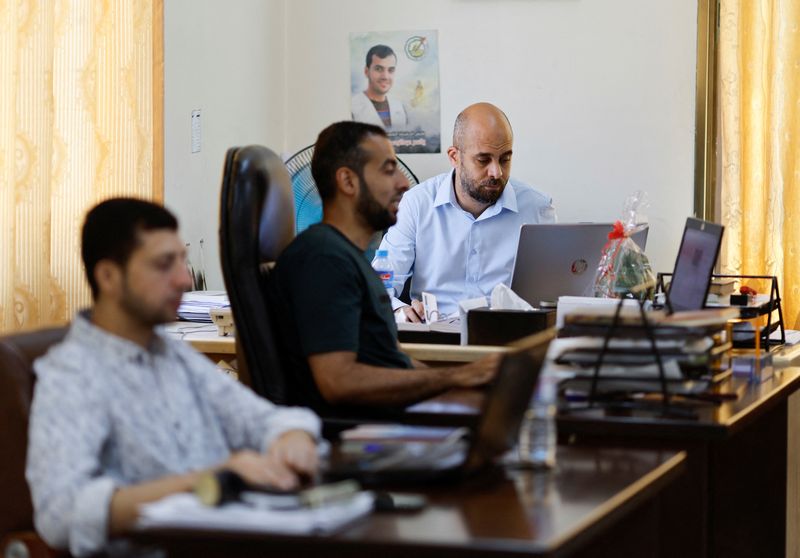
(381, 51)
(339, 145)
(111, 231)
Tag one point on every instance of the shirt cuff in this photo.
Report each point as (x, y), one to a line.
(89, 530)
(400, 316)
(397, 303)
(292, 418)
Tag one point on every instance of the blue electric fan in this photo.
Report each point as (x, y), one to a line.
(307, 204)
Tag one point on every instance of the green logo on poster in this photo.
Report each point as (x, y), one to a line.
(416, 47)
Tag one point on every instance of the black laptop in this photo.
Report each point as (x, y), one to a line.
(694, 265)
(463, 451)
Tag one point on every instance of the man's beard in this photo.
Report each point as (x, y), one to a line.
(479, 191)
(377, 217)
(136, 308)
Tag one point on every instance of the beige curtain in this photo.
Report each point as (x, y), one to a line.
(80, 106)
(759, 101)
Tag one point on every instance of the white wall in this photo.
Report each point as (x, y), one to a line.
(600, 93)
(225, 58)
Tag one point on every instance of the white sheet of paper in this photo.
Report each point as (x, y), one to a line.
(184, 511)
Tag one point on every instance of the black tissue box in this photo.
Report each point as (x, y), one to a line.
(741, 299)
(500, 327)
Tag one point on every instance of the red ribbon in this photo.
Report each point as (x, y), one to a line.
(617, 232)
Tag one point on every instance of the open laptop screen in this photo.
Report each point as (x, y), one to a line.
(507, 400)
(694, 265)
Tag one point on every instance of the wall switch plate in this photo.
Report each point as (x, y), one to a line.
(196, 131)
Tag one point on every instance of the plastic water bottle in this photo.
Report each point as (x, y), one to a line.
(537, 435)
(383, 267)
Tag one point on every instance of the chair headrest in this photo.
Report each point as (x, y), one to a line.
(259, 181)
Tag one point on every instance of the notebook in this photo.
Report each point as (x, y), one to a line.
(694, 265)
(560, 260)
(463, 451)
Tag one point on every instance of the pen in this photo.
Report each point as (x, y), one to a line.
(316, 497)
(220, 487)
(327, 493)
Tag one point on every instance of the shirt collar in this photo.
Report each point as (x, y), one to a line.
(83, 328)
(445, 193)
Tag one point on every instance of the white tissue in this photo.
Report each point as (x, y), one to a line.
(503, 298)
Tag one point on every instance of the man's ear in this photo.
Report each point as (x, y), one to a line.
(347, 182)
(366, 72)
(453, 155)
(108, 275)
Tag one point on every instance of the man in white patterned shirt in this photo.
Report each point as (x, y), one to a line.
(124, 415)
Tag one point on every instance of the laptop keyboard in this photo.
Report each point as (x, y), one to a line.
(419, 455)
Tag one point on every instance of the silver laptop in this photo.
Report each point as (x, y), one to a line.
(560, 260)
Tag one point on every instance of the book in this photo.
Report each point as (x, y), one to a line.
(448, 325)
(722, 287)
(631, 317)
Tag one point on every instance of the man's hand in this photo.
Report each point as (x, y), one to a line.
(415, 312)
(290, 460)
(297, 450)
(480, 372)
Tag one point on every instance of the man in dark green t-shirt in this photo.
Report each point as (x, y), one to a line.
(336, 325)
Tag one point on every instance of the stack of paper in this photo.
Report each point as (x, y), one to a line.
(184, 511)
(792, 336)
(196, 305)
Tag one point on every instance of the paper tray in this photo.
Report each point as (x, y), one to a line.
(618, 384)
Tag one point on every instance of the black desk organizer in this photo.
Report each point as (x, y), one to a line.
(647, 327)
(622, 330)
(749, 312)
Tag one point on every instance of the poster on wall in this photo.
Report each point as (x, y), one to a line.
(394, 83)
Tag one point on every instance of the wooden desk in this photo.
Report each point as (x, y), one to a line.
(449, 354)
(204, 338)
(596, 503)
(740, 478)
(734, 496)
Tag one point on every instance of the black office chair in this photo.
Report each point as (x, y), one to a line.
(17, 353)
(256, 224)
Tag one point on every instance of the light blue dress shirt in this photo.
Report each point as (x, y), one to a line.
(108, 413)
(452, 254)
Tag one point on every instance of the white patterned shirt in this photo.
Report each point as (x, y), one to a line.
(107, 413)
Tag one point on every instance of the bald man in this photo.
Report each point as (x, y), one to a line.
(456, 234)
